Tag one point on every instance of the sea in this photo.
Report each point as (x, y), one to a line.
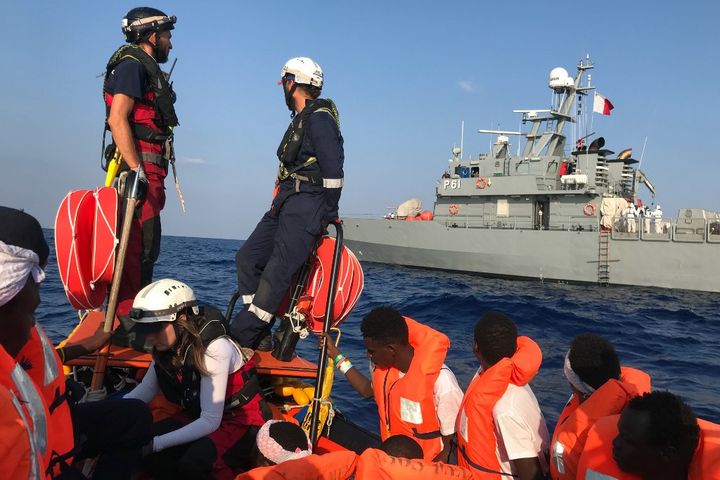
(673, 335)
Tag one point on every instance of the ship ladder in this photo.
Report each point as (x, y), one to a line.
(603, 259)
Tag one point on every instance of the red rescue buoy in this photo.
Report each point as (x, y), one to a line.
(85, 240)
(426, 215)
(349, 286)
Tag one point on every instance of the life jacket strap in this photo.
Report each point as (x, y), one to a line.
(480, 467)
(427, 435)
(243, 396)
(58, 400)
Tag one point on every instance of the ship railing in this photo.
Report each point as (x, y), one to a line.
(521, 222)
(664, 229)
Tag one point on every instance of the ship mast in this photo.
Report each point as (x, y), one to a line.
(554, 139)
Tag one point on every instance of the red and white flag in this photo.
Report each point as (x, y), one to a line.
(602, 105)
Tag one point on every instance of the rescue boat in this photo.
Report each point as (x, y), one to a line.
(296, 389)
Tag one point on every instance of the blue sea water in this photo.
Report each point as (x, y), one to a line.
(672, 335)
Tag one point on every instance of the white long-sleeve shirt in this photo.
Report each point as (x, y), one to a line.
(221, 359)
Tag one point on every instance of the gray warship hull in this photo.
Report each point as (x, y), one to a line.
(549, 214)
(570, 256)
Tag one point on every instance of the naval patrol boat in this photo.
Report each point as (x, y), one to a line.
(560, 210)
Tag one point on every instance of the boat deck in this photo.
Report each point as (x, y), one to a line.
(120, 356)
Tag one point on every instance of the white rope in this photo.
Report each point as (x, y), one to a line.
(109, 227)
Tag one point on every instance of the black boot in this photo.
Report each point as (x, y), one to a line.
(249, 330)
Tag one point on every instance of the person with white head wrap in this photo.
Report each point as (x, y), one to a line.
(16, 264)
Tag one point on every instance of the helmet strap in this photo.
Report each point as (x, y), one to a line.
(289, 100)
(178, 333)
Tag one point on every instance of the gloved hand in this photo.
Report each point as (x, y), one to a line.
(140, 173)
(142, 184)
(147, 449)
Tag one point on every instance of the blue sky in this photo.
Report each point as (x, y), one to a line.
(404, 75)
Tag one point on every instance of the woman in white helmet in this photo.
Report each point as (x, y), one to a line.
(305, 200)
(197, 365)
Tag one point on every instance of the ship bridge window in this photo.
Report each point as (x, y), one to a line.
(502, 209)
(462, 171)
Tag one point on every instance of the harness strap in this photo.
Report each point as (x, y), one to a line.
(155, 158)
(284, 173)
(143, 132)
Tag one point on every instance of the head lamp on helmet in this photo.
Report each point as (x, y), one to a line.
(141, 21)
(162, 301)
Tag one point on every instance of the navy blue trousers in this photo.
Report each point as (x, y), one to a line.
(272, 255)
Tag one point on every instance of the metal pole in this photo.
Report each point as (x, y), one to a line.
(322, 360)
(102, 358)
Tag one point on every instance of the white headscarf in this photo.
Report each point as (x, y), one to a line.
(574, 378)
(16, 263)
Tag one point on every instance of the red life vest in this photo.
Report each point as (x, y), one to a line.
(23, 423)
(475, 431)
(597, 462)
(375, 464)
(44, 366)
(143, 113)
(329, 466)
(406, 405)
(576, 419)
(153, 116)
(183, 387)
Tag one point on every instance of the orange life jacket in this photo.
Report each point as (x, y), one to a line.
(475, 430)
(329, 466)
(406, 405)
(23, 423)
(43, 365)
(576, 419)
(597, 462)
(375, 464)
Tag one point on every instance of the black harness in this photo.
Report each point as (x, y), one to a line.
(292, 141)
(164, 96)
(182, 386)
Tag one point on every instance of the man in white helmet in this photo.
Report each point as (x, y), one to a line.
(306, 196)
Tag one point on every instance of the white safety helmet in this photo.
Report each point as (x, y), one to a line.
(161, 301)
(305, 71)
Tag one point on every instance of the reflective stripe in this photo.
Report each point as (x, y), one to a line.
(31, 398)
(247, 299)
(260, 313)
(35, 468)
(556, 454)
(51, 369)
(593, 475)
(332, 182)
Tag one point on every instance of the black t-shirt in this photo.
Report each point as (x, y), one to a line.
(129, 78)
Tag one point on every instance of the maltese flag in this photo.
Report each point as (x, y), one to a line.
(602, 105)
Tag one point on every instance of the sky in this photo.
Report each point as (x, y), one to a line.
(404, 75)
